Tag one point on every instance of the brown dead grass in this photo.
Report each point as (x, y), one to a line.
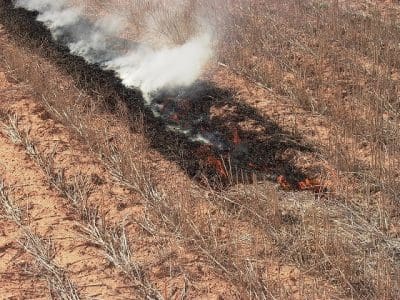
(41, 249)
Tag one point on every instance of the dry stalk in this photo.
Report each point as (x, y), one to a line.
(10, 210)
(60, 286)
(43, 251)
(114, 242)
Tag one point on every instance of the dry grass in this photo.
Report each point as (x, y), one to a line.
(332, 61)
(9, 209)
(115, 244)
(171, 216)
(329, 60)
(41, 249)
(157, 22)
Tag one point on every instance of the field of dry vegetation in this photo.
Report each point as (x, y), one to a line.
(98, 200)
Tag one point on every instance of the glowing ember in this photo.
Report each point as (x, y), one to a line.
(236, 138)
(283, 182)
(251, 165)
(174, 117)
(217, 165)
(314, 185)
(310, 185)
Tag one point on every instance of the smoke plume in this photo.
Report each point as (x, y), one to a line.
(138, 65)
(164, 73)
(167, 68)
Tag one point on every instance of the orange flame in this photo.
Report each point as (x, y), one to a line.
(314, 185)
(236, 138)
(217, 164)
(174, 117)
(283, 182)
(206, 155)
(251, 165)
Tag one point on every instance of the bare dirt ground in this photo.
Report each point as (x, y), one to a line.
(132, 212)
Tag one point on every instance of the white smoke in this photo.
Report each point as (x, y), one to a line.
(92, 42)
(166, 68)
(56, 21)
(41, 5)
(141, 66)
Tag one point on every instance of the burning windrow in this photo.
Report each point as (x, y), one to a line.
(212, 131)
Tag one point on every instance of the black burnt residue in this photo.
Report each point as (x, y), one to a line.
(179, 123)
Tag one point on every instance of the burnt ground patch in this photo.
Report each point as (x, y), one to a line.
(202, 109)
